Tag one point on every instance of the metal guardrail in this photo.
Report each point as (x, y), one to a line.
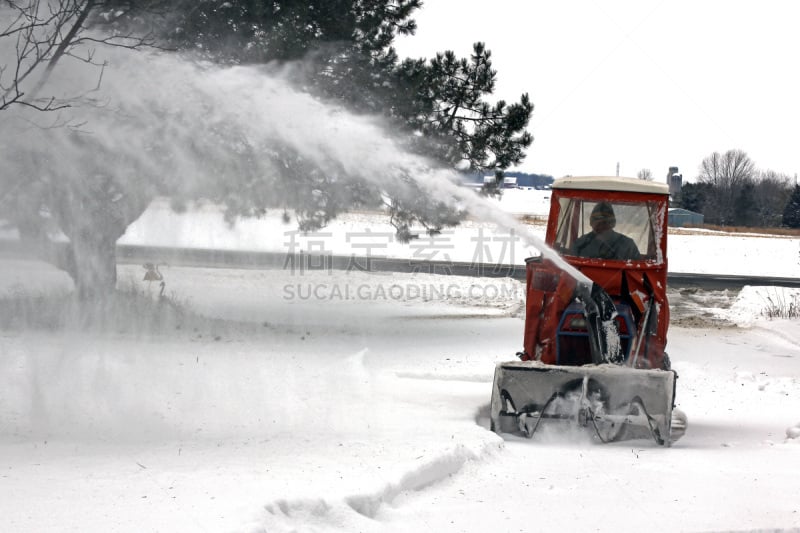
(724, 281)
(214, 258)
(240, 259)
(304, 261)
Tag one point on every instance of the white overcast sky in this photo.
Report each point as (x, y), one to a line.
(643, 83)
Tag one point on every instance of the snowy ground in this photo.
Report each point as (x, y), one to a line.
(354, 402)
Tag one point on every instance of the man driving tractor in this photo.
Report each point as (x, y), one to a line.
(603, 242)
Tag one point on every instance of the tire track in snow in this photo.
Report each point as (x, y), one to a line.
(359, 511)
(424, 475)
(322, 514)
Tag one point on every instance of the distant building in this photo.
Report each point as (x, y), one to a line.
(674, 182)
(678, 217)
(509, 183)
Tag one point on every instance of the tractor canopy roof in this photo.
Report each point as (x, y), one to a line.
(611, 183)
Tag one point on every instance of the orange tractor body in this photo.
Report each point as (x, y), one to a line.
(594, 342)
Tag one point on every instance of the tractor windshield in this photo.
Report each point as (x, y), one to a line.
(614, 230)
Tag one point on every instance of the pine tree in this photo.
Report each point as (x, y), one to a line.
(791, 213)
(745, 210)
(457, 122)
(693, 196)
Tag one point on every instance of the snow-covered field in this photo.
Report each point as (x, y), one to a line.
(334, 401)
(371, 235)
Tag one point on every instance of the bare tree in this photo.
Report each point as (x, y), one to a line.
(36, 35)
(645, 174)
(727, 174)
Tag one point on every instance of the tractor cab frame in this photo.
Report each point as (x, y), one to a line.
(557, 333)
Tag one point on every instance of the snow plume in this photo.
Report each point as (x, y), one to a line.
(158, 124)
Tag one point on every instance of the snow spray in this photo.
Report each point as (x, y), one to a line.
(160, 125)
(174, 125)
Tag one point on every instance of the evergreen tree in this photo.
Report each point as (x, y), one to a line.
(693, 196)
(745, 212)
(257, 32)
(771, 193)
(444, 100)
(448, 106)
(791, 213)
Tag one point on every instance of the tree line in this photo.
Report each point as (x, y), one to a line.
(731, 191)
(524, 179)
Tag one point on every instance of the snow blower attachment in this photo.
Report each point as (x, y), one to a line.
(607, 399)
(593, 353)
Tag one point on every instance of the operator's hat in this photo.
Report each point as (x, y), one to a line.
(603, 212)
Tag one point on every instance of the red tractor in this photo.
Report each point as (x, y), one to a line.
(596, 318)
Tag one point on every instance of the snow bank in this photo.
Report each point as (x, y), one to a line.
(755, 304)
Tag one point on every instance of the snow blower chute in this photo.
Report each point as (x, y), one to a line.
(593, 351)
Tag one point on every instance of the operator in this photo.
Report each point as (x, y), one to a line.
(603, 242)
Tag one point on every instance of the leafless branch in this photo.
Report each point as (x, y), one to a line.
(50, 104)
(43, 33)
